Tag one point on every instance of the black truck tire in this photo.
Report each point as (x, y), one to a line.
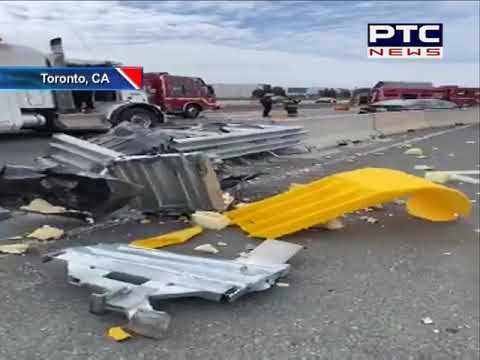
(192, 111)
(139, 116)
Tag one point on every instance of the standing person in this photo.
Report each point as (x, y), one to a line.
(266, 101)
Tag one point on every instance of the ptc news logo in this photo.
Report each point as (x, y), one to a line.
(405, 41)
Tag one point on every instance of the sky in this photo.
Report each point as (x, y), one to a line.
(287, 43)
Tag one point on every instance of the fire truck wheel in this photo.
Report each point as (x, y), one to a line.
(142, 117)
(192, 111)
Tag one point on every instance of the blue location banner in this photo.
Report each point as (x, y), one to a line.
(70, 78)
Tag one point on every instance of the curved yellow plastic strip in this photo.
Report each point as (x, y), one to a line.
(172, 238)
(118, 334)
(325, 199)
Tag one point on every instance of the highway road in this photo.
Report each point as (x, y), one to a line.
(356, 293)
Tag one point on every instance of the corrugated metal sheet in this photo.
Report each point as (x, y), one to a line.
(173, 183)
(128, 278)
(326, 199)
(76, 153)
(237, 141)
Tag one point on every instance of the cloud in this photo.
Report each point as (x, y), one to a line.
(289, 42)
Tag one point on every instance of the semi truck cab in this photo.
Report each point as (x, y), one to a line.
(67, 110)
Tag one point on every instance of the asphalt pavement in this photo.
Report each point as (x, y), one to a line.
(356, 293)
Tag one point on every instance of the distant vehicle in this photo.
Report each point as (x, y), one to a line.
(408, 104)
(181, 95)
(458, 95)
(64, 110)
(326, 100)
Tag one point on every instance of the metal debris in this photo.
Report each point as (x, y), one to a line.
(282, 284)
(127, 279)
(210, 220)
(77, 154)
(172, 183)
(271, 252)
(219, 140)
(470, 142)
(46, 232)
(16, 249)
(414, 151)
(207, 248)
(427, 320)
(96, 194)
(234, 140)
(335, 224)
(423, 167)
(221, 243)
(422, 157)
(443, 177)
(369, 219)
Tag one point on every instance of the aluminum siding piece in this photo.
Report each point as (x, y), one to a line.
(172, 182)
(79, 154)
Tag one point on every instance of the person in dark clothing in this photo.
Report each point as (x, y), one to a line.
(266, 101)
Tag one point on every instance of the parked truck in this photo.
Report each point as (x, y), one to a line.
(180, 95)
(461, 96)
(65, 110)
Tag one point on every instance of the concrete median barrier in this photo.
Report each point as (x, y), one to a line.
(440, 118)
(327, 131)
(389, 123)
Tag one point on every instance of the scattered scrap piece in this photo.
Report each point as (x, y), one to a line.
(470, 142)
(210, 220)
(423, 167)
(282, 284)
(427, 320)
(16, 249)
(369, 219)
(434, 148)
(335, 224)
(414, 151)
(118, 334)
(228, 199)
(172, 238)
(207, 248)
(451, 155)
(422, 157)
(125, 279)
(443, 177)
(43, 207)
(271, 252)
(221, 243)
(46, 232)
(145, 221)
(311, 204)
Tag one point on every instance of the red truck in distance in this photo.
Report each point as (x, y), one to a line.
(461, 96)
(181, 95)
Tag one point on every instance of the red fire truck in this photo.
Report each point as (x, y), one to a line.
(397, 90)
(181, 95)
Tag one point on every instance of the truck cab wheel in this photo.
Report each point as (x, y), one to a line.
(143, 117)
(192, 111)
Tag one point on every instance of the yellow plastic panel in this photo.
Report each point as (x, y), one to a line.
(173, 238)
(323, 200)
